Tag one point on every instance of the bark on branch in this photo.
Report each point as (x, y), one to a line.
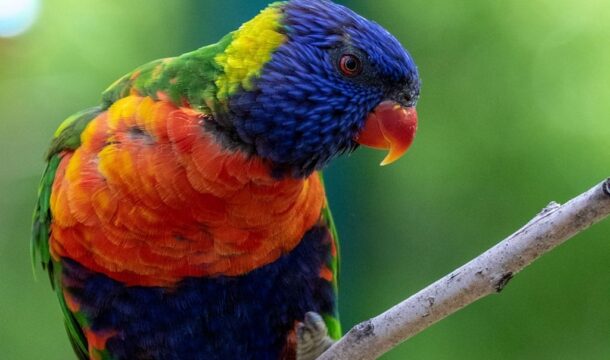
(488, 273)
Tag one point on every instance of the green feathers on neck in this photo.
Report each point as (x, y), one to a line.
(205, 78)
(188, 79)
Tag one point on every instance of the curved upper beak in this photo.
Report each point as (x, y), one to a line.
(390, 126)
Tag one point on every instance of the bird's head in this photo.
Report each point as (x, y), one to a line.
(308, 80)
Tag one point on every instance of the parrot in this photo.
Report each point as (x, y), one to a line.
(185, 216)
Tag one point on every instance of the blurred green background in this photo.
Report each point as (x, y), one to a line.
(514, 113)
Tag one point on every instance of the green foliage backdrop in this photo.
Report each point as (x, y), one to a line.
(514, 113)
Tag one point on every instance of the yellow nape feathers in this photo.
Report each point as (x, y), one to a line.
(252, 46)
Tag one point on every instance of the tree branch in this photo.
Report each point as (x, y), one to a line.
(488, 273)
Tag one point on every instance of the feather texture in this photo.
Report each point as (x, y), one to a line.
(150, 198)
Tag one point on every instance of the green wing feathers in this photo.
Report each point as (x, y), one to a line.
(39, 246)
(67, 138)
(332, 320)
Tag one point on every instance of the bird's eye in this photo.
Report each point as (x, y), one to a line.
(350, 65)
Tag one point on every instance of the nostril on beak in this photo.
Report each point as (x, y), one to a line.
(407, 97)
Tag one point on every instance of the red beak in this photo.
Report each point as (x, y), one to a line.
(389, 127)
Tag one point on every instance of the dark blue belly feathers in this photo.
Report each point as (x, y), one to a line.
(246, 317)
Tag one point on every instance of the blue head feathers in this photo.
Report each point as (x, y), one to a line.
(312, 98)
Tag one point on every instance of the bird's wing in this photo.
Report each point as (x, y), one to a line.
(332, 320)
(66, 140)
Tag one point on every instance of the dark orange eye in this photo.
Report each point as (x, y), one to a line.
(350, 65)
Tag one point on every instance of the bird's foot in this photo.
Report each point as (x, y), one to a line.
(312, 337)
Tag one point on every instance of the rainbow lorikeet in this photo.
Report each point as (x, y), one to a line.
(185, 217)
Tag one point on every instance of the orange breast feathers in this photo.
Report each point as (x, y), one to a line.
(150, 197)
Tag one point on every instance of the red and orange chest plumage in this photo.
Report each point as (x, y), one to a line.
(151, 197)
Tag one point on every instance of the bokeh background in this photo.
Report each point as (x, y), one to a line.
(514, 113)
